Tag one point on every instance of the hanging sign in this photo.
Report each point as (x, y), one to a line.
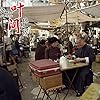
(15, 23)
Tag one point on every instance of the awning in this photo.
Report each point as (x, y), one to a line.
(78, 16)
(33, 25)
(42, 13)
(93, 10)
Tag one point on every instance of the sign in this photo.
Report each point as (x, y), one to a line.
(15, 23)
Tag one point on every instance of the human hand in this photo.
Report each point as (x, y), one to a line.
(69, 56)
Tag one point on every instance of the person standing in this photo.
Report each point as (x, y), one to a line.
(8, 47)
(40, 50)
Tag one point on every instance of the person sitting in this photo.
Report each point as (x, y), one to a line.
(53, 51)
(40, 50)
(84, 53)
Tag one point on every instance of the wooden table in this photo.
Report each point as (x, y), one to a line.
(92, 93)
(71, 66)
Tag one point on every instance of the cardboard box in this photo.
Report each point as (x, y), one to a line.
(51, 81)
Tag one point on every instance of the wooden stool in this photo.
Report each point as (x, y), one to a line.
(49, 84)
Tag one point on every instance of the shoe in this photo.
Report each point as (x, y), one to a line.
(79, 94)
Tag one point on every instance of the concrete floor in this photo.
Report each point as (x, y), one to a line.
(30, 89)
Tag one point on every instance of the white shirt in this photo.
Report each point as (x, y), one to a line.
(72, 39)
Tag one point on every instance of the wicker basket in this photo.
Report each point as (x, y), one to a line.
(51, 81)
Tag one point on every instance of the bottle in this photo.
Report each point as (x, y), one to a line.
(63, 62)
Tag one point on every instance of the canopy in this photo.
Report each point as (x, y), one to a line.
(33, 25)
(78, 16)
(42, 13)
(93, 10)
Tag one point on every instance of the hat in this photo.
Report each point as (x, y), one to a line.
(52, 40)
(42, 42)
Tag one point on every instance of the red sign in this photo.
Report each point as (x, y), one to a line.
(15, 23)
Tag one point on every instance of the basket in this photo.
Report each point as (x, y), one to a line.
(51, 81)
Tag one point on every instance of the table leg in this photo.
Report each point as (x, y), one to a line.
(71, 82)
(38, 94)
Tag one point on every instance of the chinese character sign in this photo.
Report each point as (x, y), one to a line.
(15, 23)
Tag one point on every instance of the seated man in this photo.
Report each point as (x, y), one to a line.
(53, 51)
(8, 87)
(84, 53)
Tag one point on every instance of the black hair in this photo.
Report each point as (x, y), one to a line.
(11, 36)
(42, 42)
(52, 40)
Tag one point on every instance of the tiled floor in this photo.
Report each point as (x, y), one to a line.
(30, 89)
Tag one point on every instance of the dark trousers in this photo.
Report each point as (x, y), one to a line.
(84, 77)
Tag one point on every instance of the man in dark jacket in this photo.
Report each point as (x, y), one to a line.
(40, 50)
(8, 87)
(53, 51)
(84, 54)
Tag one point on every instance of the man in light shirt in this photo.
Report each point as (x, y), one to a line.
(8, 45)
(72, 38)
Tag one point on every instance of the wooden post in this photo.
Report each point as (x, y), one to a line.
(2, 33)
(66, 29)
(2, 39)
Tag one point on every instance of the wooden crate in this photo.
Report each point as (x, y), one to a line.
(51, 81)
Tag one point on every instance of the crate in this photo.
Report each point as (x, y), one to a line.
(51, 81)
(44, 68)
